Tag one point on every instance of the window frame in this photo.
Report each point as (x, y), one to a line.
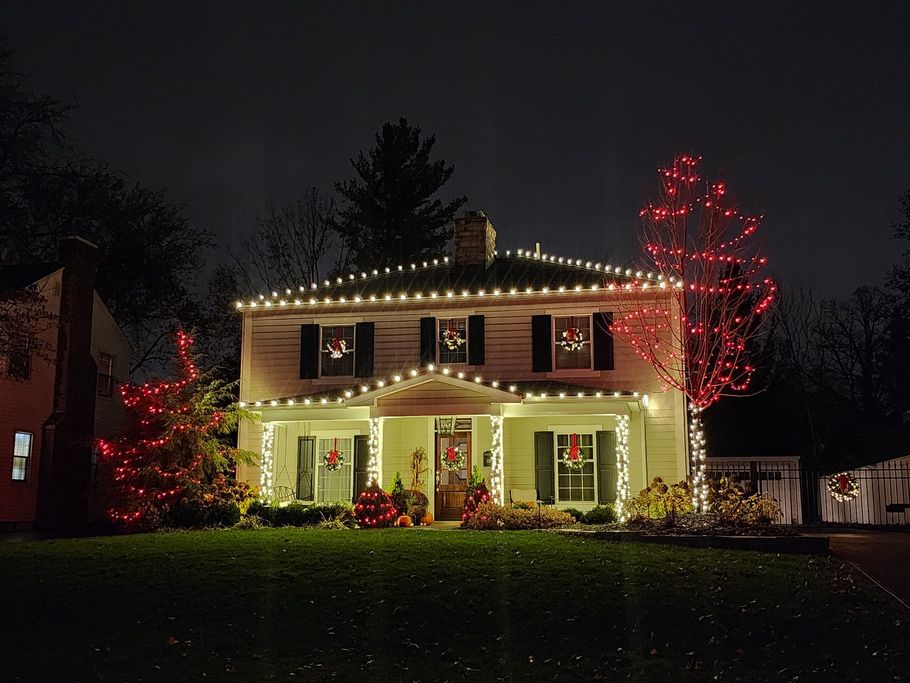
(567, 431)
(439, 346)
(26, 469)
(8, 352)
(588, 343)
(323, 351)
(319, 472)
(110, 377)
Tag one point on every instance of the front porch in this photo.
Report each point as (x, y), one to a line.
(517, 440)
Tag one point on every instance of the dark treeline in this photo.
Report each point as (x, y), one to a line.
(835, 374)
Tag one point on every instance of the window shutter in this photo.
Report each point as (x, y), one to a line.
(602, 341)
(309, 351)
(475, 340)
(427, 341)
(541, 343)
(606, 467)
(361, 458)
(543, 466)
(306, 467)
(363, 349)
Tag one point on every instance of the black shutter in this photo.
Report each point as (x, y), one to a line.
(306, 467)
(427, 341)
(361, 458)
(363, 349)
(475, 340)
(603, 341)
(543, 466)
(309, 351)
(606, 467)
(541, 343)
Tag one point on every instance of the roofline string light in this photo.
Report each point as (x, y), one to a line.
(638, 280)
(375, 384)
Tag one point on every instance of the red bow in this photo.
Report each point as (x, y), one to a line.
(843, 483)
(452, 453)
(574, 448)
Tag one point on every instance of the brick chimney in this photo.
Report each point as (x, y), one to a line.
(66, 449)
(475, 239)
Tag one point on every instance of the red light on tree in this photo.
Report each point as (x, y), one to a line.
(697, 336)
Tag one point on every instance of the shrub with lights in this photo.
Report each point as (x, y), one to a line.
(475, 495)
(170, 465)
(375, 508)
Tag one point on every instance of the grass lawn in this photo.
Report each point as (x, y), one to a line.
(406, 604)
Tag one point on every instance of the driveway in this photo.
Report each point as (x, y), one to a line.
(883, 555)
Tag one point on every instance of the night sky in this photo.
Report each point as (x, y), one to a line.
(555, 117)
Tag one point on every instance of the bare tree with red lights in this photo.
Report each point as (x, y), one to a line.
(173, 445)
(698, 329)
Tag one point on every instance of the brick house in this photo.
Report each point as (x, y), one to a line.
(52, 410)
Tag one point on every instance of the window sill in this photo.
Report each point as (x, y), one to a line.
(575, 372)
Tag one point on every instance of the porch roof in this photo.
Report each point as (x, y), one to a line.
(497, 391)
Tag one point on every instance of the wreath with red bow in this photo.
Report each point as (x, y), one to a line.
(572, 338)
(337, 346)
(334, 459)
(451, 337)
(843, 487)
(453, 459)
(573, 457)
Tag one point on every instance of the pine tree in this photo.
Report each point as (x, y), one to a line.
(172, 446)
(390, 216)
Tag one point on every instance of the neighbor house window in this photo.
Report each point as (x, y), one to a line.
(335, 485)
(105, 374)
(22, 455)
(452, 339)
(575, 484)
(572, 342)
(337, 351)
(18, 357)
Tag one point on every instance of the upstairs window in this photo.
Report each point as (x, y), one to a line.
(105, 374)
(22, 455)
(18, 357)
(572, 342)
(452, 336)
(337, 351)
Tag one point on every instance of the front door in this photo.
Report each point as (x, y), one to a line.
(451, 484)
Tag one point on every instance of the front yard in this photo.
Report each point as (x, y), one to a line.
(406, 604)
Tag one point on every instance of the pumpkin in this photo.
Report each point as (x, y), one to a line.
(404, 520)
(427, 519)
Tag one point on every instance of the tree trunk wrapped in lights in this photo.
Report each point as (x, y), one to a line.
(697, 327)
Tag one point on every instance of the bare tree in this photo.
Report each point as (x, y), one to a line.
(290, 244)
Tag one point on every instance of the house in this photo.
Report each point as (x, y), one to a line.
(506, 362)
(54, 405)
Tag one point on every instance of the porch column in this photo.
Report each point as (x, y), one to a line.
(622, 465)
(496, 459)
(267, 462)
(374, 464)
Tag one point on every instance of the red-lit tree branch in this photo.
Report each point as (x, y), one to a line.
(696, 333)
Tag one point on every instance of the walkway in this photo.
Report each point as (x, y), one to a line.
(883, 555)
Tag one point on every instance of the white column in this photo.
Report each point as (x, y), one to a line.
(374, 464)
(267, 462)
(496, 461)
(622, 465)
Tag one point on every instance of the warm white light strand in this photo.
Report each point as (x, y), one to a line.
(496, 465)
(622, 466)
(267, 462)
(697, 463)
(374, 462)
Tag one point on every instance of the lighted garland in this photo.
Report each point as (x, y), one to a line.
(453, 459)
(843, 487)
(333, 459)
(573, 457)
